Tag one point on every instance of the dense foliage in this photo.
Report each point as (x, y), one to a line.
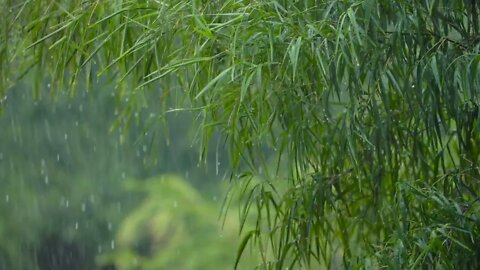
(367, 110)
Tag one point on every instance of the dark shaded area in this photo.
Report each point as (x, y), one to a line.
(58, 254)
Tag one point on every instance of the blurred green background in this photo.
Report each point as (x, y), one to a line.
(78, 192)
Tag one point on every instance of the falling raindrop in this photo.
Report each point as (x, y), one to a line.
(76, 225)
(112, 244)
(109, 226)
(67, 203)
(46, 179)
(7, 198)
(144, 148)
(84, 207)
(66, 136)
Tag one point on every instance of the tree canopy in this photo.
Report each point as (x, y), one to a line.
(359, 118)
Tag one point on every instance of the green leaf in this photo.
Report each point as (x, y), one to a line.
(243, 244)
(214, 81)
(294, 50)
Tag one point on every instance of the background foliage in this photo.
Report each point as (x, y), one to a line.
(174, 222)
(68, 189)
(361, 117)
